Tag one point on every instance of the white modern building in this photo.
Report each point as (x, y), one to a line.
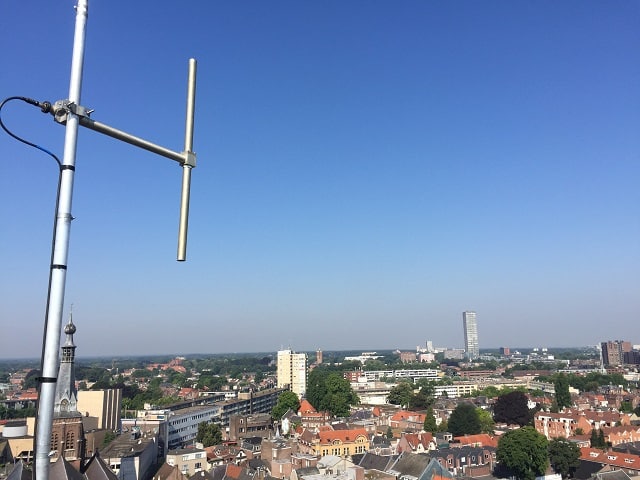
(292, 371)
(470, 326)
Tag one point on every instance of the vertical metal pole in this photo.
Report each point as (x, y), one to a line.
(187, 165)
(58, 274)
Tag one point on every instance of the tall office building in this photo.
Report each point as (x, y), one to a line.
(292, 371)
(470, 325)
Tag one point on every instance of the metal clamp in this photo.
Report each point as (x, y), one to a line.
(62, 108)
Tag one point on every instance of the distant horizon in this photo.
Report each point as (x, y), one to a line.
(273, 352)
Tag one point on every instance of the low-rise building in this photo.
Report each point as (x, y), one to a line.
(188, 460)
(252, 425)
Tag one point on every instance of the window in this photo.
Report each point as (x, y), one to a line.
(69, 442)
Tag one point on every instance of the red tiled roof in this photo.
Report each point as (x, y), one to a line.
(622, 460)
(306, 407)
(233, 471)
(409, 416)
(481, 439)
(342, 435)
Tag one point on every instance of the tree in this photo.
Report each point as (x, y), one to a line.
(329, 391)
(597, 438)
(512, 408)
(564, 456)
(401, 394)
(524, 452)
(209, 434)
(211, 383)
(424, 398)
(464, 420)
(389, 433)
(340, 396)
(563, 397)
(430, 424)
(286, 401)
(486, 421)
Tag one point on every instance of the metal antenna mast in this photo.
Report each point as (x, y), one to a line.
(69, 112)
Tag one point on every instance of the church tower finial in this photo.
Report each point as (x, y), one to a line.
(66, 393)
(67, 435)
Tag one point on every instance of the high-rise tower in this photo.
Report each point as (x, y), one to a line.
(470, 326)
(292, 371)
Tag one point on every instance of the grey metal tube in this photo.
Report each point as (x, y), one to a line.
(58, 275)
(189, 164)
(131, 139)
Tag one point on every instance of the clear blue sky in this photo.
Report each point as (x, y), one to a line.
(367, 170)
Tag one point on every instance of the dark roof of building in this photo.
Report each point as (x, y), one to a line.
(246, 474)
(371, 461)
(586, 469)
(97, 469)
(361, 415)
(301, 472)
(258, 464)
(410, 464)
(16, 423)
(127, 446)
(218, 472)
(62, 470)
(252, 440)
(201, 475)
(380, 441)
(19, 472)
(435, 470)
(629, 447)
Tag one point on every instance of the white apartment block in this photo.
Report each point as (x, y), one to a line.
(292, 371)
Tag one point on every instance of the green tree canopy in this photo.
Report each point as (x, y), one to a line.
(425, 397)
(286, 401)
(401, 394)
(211, 382)
(524, 452)
(328, 390)
(563, 397)
(597, 438)
(512, 408)
(464, 420)
(430, 424)
(564, 456)
(209, 434)
(486, 421)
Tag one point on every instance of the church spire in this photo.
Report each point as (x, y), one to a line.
(66, 393)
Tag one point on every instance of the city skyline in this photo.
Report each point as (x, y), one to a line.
(365, 173)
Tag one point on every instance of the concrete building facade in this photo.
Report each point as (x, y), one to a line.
(470, 326)
(292, 371)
